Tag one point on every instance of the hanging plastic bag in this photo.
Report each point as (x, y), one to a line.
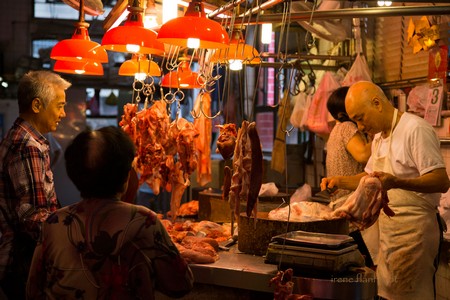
(318, 120)
(298, 110)
(304, 120)
(358, 72)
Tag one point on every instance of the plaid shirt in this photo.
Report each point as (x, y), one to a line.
(27, 192)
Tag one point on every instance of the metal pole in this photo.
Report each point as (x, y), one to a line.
(371, 12)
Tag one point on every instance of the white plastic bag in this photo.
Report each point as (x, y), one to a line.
(358, 72)
(304, 120)
(299, 109)
(303, 193)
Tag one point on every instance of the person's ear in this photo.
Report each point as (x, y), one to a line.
(376, 102)
(36, 105)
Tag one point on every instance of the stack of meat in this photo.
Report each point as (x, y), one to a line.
(244, 181)
(302, 211)
(363, 207)
(198, 242)
(166, 153)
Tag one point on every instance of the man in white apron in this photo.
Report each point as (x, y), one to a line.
(406, 157)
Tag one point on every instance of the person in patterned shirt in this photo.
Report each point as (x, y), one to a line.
(27, 192)
(102, 247)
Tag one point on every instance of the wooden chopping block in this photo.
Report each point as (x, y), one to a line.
(254, 238)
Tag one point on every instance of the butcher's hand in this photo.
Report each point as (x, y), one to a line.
(388, 181)
(330, 183)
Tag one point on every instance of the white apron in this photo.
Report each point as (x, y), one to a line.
(408, 241)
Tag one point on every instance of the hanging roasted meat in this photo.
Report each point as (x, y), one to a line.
(246, 179)
(203, 125)
(256, 170)
(166, 154)
(226, 141)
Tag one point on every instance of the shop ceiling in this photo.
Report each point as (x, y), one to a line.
(270, 12)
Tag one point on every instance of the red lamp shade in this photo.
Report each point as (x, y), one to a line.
(79, 47)
(80, 68)
(183, 78)
(133, 37)
(194, 25)
(137, 65)
(237, 50)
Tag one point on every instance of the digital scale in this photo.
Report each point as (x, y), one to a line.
(314, 253)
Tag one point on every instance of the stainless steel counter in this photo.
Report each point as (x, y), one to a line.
(238, 270)
(249, 272)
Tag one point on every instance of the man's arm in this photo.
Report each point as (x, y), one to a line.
(342, 182)
(435, 181)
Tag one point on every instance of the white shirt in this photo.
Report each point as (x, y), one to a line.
(415, 150)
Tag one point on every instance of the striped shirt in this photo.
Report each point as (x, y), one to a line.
(27, 192)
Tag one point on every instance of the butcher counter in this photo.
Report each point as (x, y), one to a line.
(238, 275)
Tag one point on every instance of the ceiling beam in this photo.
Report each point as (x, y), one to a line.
(115, 12)
(343, 13)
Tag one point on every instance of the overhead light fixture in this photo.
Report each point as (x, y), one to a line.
(238, 53)
(182, 78)
(266, 33)
(79, 68)
(384, 3)
(194, 30)
(79, 47)
(133, 37)
(140, 67)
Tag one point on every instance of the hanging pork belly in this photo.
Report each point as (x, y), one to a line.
(246, 179)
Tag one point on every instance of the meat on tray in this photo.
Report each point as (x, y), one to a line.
(301, 211)
(198, 242)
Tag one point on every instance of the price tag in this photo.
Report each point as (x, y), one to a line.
(434, 105)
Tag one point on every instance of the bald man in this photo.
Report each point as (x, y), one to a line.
(406, 157)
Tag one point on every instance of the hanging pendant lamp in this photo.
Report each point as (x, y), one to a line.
(139, 66)
(238, 53)
(194, 30)
(79, 47)
(133, 37)
(79, 68)
(182, 78)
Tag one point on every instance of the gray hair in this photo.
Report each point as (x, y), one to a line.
(39, 84)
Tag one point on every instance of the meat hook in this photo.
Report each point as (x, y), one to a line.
(170, 97)
(201, 111)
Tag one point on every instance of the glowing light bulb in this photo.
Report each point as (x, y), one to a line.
(266, 33)
(133, 48)
(193, 43)
(140, 76)
(387, 3)
(235, 64)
